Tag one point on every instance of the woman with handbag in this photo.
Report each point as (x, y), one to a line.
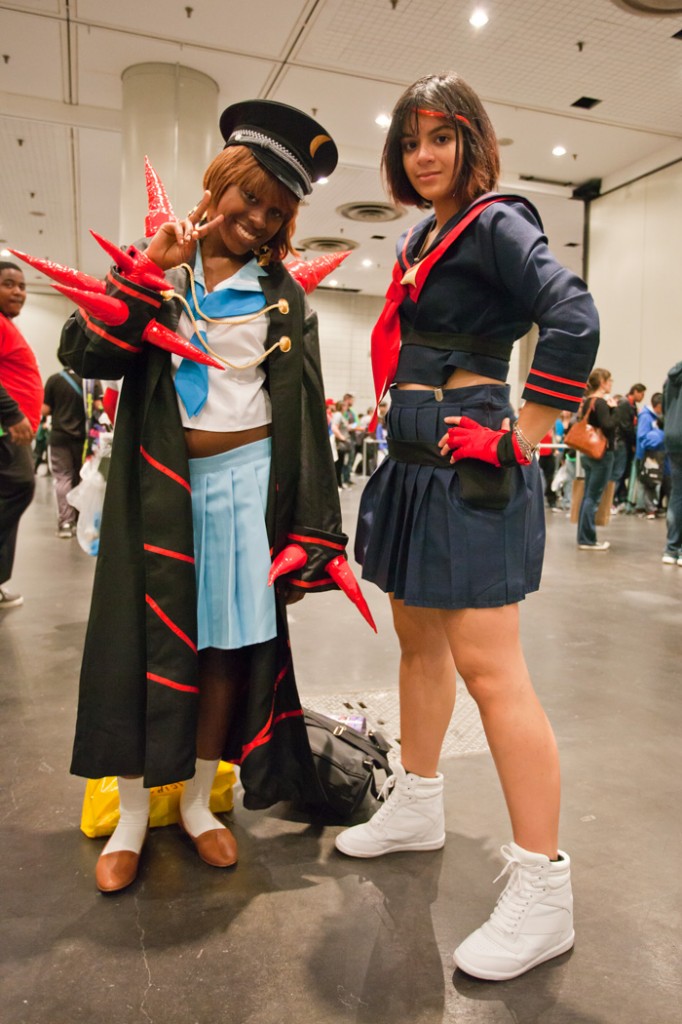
(451, 524)
(599, 410)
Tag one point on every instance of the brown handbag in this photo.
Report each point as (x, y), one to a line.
(585, 438)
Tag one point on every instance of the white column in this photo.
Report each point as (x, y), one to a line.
(170, 114)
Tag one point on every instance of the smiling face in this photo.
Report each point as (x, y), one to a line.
(12, 291)
(249, 219)
(256, 206)
(430, 160)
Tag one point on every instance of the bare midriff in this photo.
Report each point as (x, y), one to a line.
(203, 443)
(457, 379)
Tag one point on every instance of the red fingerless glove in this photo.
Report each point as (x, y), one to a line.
(470, 440)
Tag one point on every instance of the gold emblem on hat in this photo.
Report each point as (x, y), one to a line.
(318, 141)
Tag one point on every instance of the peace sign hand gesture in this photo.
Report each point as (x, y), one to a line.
(175, 242)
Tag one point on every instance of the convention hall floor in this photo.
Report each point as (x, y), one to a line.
(298, 933)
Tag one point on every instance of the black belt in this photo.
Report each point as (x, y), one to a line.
(480, 485)
(457, 342)
(419, 453)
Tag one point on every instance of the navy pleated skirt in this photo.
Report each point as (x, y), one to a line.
(419, 540)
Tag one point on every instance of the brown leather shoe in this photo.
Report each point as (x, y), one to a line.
(116, 871)
(216, 847)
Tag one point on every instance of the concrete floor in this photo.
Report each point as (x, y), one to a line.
(299, 933)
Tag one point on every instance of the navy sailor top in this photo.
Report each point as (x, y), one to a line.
(496, 280)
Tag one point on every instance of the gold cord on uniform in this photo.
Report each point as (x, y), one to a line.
(284, 343)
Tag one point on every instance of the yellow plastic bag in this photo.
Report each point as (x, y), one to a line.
(100, 803)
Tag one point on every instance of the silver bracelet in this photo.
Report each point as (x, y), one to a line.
(528, 450)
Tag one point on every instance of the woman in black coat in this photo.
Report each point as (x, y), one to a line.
(213, 473)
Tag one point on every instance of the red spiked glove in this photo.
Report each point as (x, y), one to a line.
(470, 440)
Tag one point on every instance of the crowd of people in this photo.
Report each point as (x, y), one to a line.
(638, 472)
(357, 446)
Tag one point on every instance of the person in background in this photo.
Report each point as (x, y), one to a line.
(567, 461)
(351, 418)
(625, 441)
(21, 396)
(547, 460)
(672, 428)
(451, 525)
(649, 453)
(64, 402)
(343, 441)
(597, 471)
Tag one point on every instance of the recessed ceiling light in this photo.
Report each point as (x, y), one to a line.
(479, 18)
(559, 151)
(333, 283)
(383, 120)
(367, 263)
(322, 181)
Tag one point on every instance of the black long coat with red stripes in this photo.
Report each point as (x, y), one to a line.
(139, 689)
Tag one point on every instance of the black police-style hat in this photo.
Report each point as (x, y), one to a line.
(287, 142)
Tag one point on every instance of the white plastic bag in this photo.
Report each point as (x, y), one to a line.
(88, 498)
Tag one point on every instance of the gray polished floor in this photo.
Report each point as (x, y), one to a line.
(299, 933)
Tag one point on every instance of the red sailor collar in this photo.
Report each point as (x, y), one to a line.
(409, 279)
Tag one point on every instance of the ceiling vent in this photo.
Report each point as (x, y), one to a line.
(656, 7)
(370, 212)
(323, 244)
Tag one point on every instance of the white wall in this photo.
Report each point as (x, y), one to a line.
(346, 320)
(635, 275)
(41, 322)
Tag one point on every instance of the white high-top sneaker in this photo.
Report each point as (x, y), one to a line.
(532, 921)
(411, 818)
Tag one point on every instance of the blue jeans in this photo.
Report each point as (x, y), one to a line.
(597, 475)
(673, 544)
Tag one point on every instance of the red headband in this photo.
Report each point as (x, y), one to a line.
(444, 117)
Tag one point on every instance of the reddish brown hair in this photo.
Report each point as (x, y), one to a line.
(477, 160)
(236, 165)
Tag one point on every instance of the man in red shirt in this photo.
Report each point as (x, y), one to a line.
(21, 396)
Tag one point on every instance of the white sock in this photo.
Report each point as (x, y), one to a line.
(195, 798)
(132, 826)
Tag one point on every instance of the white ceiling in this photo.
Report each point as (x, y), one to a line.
(60, 89)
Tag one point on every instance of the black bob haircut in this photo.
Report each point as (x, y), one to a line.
(477, 165)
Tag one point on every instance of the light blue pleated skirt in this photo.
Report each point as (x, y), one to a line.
(231, 550)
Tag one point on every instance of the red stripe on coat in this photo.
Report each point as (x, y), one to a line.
(169, 622)
(135, 294)
(109, 337)
(264, 735)
(168, 553)
(307, 585)
(171, 683)
(555, 394)
(561, 380)
(164, 469)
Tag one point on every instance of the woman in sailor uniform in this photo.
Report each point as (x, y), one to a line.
(451, 524)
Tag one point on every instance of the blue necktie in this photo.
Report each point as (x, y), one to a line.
(191, 379)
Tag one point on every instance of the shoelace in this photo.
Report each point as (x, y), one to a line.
(384, 793)
(524, 882)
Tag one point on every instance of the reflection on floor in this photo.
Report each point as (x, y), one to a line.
(299, 933)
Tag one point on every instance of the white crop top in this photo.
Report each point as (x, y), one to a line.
(237, 399)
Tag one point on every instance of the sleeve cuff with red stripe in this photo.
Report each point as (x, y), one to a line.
(125, 340)
(320, 548)
(561, 392)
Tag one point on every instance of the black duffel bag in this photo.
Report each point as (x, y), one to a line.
(345, 762)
